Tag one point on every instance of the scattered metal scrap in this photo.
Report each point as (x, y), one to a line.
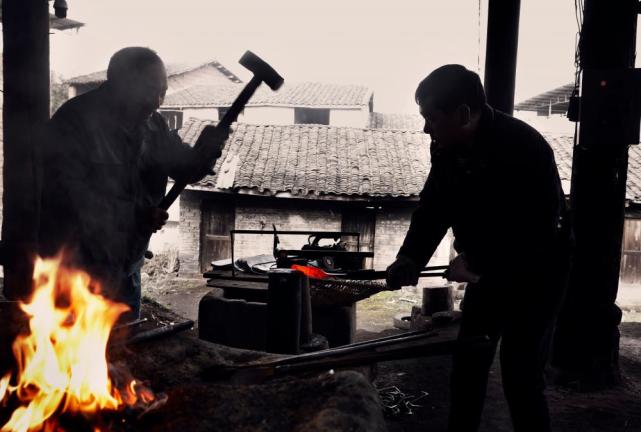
(396, 403)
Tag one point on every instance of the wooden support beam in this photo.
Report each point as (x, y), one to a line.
(25, 29)
(501, 50)
(587, 337)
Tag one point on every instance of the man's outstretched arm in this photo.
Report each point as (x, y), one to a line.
(428, 226)
(188, 164)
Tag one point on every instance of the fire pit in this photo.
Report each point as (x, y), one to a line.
(61, 370)
(177, 366)
(169, 391)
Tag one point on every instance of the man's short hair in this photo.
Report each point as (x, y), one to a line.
(127, 62)
(450, 86)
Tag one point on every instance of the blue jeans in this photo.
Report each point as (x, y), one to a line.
(130, 292)
(131, 295)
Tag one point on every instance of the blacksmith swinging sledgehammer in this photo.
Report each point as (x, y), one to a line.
(262, 73)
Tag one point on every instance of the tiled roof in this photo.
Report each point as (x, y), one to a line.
(173, 69)
(313, 160)
(396, 121)
(204, 96)
(562, 146)
(633, 192)
(555, 100)
(306, 94)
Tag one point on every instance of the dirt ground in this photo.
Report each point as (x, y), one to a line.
(617, 409)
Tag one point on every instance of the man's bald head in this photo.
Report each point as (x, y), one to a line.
(138, 81)
(130, 62)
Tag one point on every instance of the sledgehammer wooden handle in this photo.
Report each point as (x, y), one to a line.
(263, 72)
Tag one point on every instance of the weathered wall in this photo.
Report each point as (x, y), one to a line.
(201, 113)
(358, 118)
(292, 215)
(189, 232)
(631, 253)
(267, 115)
(286, 217)
(168, 238)
(391, 227)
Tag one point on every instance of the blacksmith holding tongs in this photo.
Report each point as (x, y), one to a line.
(494, 181)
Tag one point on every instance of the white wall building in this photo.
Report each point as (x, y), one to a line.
(294, 103)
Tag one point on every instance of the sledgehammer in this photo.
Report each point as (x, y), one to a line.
(262, 73)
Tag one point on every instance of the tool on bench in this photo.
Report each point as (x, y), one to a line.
(331, 256)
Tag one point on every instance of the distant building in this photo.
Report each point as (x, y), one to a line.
(303, 177)
(316, 177)
(180, 77)
(293, 103)
(551, 102)
(412, 122)
(547, 111)
(318, 157)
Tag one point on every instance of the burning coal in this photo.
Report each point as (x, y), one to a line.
(61, 362)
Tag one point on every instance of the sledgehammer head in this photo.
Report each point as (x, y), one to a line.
(261, 70)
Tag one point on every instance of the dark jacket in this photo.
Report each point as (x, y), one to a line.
(503, 200)
(99, 179)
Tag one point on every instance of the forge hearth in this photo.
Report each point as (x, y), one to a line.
(176, 366)
(238, 312)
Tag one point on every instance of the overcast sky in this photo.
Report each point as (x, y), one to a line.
(387, 45)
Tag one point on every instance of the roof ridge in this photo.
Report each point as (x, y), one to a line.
(190, 67)
(181, 68)
(292, 94)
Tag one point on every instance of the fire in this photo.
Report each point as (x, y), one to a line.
(61, 364)
(312, 272)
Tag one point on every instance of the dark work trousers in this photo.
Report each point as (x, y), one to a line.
(522, 318)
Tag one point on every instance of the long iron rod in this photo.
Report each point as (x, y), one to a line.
(355, 348)
(366, 357)
(159, 333)
(263, 371)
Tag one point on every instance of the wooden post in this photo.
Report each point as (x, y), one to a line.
(25, 29)
(501, 49)
(587, 337)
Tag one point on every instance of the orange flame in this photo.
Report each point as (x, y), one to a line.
(62, 362)
(312, 272)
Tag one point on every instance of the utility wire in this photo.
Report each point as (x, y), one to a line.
(478, 51)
